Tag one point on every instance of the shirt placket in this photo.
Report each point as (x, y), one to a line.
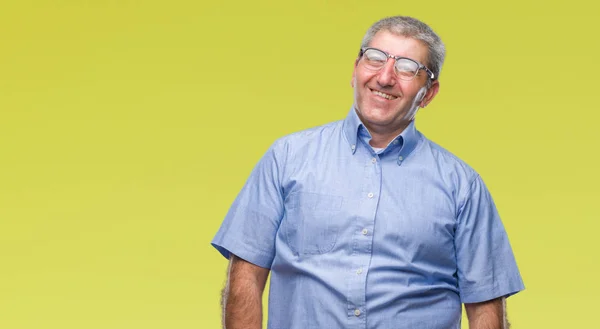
(362, 243)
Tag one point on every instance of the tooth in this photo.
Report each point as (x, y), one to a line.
(386, 96)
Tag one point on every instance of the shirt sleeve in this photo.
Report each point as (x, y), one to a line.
(249, 228)
(486, 265)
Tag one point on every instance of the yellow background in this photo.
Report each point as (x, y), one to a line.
(128, 127)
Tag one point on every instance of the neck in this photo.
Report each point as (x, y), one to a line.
(381, 138)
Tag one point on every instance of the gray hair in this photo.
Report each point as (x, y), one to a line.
(415, 29)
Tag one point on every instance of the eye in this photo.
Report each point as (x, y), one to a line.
(406, 68)
(406, 65)
(375, 57)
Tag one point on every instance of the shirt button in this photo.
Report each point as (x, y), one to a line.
(373, 160)
(370, 195)
(400, 158)
(357, 312)
(365, 231)
(359, 271)
(353, 146)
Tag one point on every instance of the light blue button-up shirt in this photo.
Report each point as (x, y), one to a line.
(360, 239)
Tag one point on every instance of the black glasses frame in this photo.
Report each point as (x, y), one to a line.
(396, 58)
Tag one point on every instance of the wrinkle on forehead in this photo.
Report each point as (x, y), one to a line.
(401, 45)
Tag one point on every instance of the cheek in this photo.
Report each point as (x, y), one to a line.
(361, 77)
(421, 94)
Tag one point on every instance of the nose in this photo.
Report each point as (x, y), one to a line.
(387, 74)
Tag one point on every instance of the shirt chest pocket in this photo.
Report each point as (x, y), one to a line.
(311, 225)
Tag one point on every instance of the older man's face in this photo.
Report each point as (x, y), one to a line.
(384, 102)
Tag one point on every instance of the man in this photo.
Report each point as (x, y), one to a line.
(365, 223)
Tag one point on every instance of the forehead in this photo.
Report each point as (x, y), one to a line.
(400, 45)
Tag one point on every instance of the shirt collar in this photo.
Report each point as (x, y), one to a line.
(408, 138)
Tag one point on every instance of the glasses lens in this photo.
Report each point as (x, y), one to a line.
(374, 59)
(406, 69)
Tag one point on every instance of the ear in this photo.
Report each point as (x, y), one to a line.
(430, 94)
(354, 73)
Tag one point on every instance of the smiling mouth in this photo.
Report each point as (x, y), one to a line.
(384, 95)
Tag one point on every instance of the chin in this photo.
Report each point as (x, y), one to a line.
(377, 114)
(379, 120)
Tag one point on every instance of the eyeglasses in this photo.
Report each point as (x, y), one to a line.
(406, 68)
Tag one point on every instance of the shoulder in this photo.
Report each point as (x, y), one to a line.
(311, 138)
(447, 159)
(451, 169)
(312, 134)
